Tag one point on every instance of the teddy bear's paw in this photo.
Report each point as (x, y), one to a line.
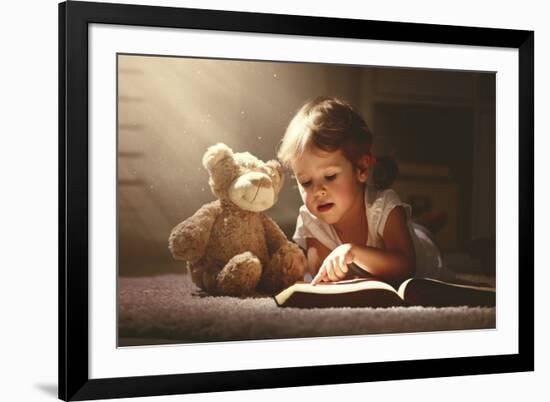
(187, 242)
(286, 267)
(294, 263)
(240, 276)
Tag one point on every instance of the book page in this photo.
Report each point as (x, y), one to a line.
(345, 286)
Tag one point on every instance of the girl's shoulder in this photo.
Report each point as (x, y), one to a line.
(380, 203)
(308, 218)
(380, 198)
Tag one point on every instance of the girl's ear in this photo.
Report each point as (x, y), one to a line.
(362, 168)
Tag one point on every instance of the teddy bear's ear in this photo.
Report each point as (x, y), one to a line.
(275, 165)
(214, 154)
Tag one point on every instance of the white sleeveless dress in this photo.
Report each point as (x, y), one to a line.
(378, 205)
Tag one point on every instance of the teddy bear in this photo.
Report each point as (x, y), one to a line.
(233, 248)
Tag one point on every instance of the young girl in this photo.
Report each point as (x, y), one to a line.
(349, 220)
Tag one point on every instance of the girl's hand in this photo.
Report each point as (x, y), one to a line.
(335, 266)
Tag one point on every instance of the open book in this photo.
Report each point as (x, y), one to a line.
(368, 292)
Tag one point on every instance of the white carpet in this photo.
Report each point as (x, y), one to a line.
(170, 309)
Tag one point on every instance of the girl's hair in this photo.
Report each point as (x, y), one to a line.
(331, 124)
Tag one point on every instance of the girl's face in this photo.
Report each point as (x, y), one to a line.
(329, 184)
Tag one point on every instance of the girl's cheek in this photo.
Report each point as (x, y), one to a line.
(307, 199)
(303, 193)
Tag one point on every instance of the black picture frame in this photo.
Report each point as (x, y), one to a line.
(74, 380)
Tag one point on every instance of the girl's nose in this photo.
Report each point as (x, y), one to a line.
(320, 190)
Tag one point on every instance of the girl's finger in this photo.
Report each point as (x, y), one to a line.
(342, 267)
(320, 274)
(328, 270)
(338, 270)
(332, 271)
(335, 272)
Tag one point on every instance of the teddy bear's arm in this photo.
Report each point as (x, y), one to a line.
(275, 237)
(188, 240)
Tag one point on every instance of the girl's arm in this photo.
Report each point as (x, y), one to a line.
(395, 263)
(398, 260)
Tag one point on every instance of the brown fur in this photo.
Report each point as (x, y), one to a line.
(232, 251)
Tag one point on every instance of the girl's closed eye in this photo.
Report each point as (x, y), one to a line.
(305, 183)
(330, 177)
